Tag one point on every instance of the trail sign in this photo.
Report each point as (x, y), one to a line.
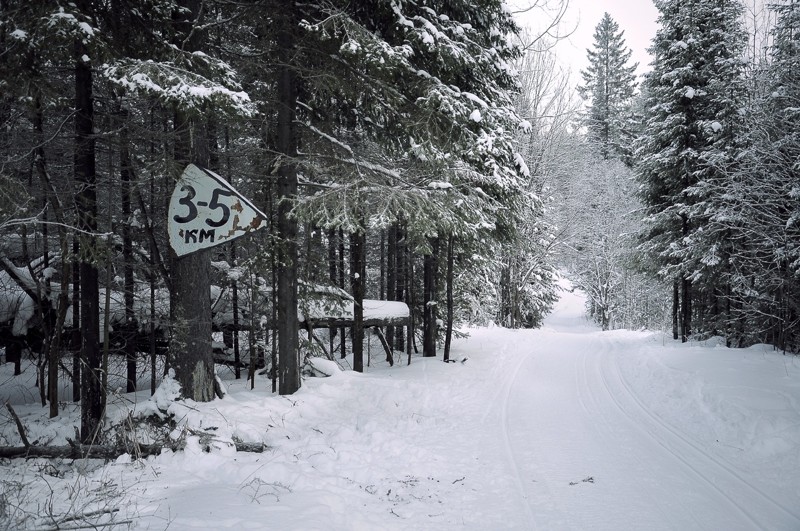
(205, 211)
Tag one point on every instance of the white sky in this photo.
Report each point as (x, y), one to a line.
(637, 18)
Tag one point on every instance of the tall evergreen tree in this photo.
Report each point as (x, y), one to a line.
(762, 200)
(363, 114)
(783, 107)
(609, 86)
(695, 97)
(422, 128)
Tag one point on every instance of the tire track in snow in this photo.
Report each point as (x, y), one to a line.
(686, 447)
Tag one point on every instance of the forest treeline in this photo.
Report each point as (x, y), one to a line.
(693, 188)
(424, 152)
(382, 139)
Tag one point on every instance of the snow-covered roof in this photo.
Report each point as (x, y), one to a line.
(376, 313)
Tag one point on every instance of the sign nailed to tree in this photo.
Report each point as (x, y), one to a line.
(205, 211)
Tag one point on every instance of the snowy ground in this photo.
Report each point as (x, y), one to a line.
(565, 427)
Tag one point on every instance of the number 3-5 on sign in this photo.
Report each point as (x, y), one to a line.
(205, 211)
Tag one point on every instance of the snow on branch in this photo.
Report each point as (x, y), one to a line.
(175, 85)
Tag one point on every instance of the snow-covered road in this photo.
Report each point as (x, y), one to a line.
(589, 453)
(563, 428)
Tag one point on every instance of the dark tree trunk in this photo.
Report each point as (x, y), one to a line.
(234, 283)
(50, 350)
(342, 330)
(287, 255)
(237, 358)
(190, 343)
(14, 354)
(383, 267)
(131, 326)
(429, 325)
(412, 303)
(686, 309)
(55, 336)
(675, 309)
(93, 395)
(75, 339)
(401, 293)
(153, 251)
(152, 263)
(391, 278)
(449, 330)
(332, 278)
(358, 242)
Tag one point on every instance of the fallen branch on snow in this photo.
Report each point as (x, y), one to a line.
(74, 450)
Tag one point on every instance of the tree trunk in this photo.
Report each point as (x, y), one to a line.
(152, 331)
(75, 336)
(131, 326)
(190, 344)
(449, 330)
(342, 330)
(383, 267)
(109, 452)
(237, 359)
(287, 255)
(686, 309)
(675, 307)
(391, 277)
(357, 271)
(52, 330)
(332, 278)
(429, 324)
(55, 341)
(14, 354)
(153, 251)
(402, 261)
(92, 395)
(235, 307)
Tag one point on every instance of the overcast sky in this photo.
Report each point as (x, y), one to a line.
(637, 18)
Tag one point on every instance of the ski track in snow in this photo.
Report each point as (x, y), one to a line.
(512, 459)
(601, 459)
(680, 445)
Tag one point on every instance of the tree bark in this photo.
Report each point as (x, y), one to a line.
(357, 270)
(686, 309)
(190, 343)
(429, 324)
(52, 323)
(675, 308)
(449, 330)
(103, 451)
(92, 393)
(402, 261)
(342, 330)
(75, 336)
(332, 277)
(131, 326)
(152, 331)
(287, 255)
(391, 277)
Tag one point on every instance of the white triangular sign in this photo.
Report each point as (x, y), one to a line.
(205, 211)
